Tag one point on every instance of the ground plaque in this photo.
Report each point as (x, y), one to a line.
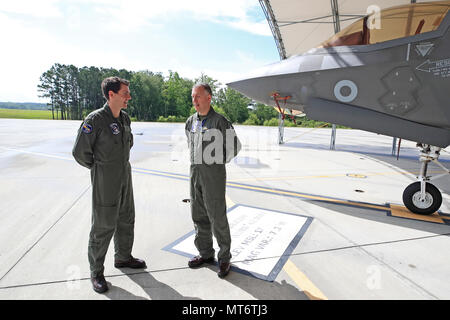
(262, 240)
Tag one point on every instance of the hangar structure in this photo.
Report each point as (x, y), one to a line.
(299, 25)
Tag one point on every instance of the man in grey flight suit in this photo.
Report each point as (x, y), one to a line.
(212, 142)
(103, 145)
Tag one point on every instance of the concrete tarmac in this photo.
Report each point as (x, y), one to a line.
(361, 243)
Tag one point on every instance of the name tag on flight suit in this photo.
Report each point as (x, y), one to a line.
(114, 128)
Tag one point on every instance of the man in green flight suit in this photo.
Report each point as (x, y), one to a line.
(103, 145)
(213, 143)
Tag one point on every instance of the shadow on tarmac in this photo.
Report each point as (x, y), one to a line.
(261, 289)
(385, 217)
(155, 289)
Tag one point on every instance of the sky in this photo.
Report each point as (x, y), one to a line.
(223, 39)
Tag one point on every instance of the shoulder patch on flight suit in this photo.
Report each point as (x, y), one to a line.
(87, 128)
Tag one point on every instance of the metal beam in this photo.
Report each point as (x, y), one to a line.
(316, 20)
(394, 144)
(337, 28)
(267, 8)
(280, 129)
(335, 14)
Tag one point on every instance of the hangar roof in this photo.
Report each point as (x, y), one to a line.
(299, 25)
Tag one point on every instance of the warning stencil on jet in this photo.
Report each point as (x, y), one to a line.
(262, 240)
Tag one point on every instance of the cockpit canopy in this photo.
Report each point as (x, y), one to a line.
(392, 23)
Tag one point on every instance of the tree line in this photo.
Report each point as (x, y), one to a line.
(74, 92)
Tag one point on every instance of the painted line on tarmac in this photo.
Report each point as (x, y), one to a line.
(386, 208)
(389, 209)
(302, 281)
(340, 175)
(307, 196)
(46, 232)
(38, 154)
(441, 219)
(269, 190)
(162, 173)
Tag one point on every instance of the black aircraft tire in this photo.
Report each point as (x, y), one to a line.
(430, 205)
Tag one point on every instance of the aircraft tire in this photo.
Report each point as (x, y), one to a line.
(432, 202)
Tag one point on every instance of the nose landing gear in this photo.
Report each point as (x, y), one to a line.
(422, 197)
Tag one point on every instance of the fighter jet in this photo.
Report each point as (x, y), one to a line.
(392, 80)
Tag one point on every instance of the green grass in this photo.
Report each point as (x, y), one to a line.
(25, 114)
(47, 114)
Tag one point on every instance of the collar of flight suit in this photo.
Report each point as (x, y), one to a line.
(120, 120)
(108, 111)
(208, 115)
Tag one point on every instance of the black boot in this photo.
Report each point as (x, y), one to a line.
(133, 263)
(99, 283)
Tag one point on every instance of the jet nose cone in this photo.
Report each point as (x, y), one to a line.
(290, 79)
(257, 89)
(256, 84)
(273, 69)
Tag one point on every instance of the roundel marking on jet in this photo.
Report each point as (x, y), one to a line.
(345, 84)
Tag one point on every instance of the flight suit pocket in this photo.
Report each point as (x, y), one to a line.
(103, 145)
(107, 184)
(105, 217)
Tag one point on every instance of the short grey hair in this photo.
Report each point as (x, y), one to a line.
(204, 86)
